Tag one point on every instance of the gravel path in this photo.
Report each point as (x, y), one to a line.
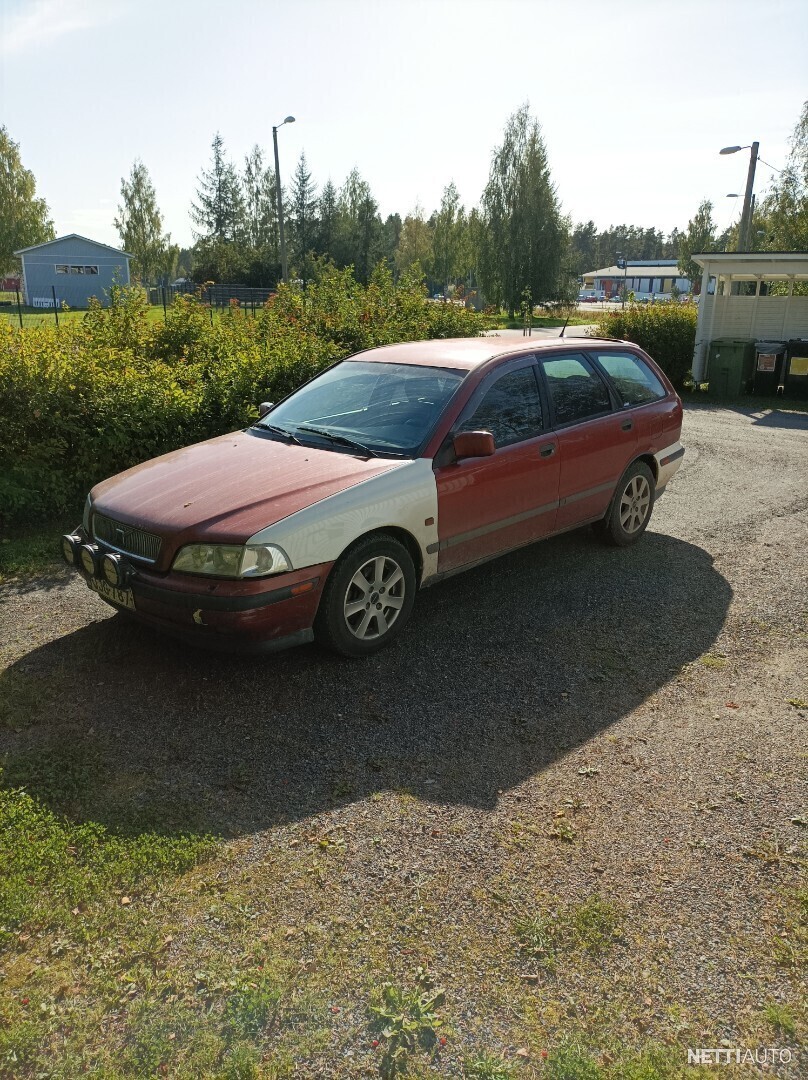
(640, 697)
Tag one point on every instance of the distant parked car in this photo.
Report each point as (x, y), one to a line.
(387, 472)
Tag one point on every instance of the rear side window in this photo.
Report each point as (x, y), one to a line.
(577, 390)
(510, 408)
(635, 381)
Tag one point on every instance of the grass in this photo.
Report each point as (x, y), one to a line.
(590, 927)
(34, 550)
(38, 317)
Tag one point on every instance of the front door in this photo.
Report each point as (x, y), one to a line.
(492, 504)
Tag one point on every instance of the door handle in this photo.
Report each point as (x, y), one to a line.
(547, 451)
(627, 425)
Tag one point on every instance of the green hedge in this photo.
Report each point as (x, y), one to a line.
(91, 397)
(666, 331)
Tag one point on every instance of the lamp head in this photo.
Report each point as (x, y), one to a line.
(289, 120)
(730, 150)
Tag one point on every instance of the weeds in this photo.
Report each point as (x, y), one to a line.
(591, 927)
(406, 1020)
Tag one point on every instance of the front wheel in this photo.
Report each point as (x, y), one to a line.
(368, 597)
(630, 510)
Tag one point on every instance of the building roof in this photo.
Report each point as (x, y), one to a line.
(73, 236)
(662, 268)
(467, 353)
(749, 265)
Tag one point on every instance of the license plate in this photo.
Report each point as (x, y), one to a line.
(121, 597)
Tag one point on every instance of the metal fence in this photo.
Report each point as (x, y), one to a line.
(214, 296)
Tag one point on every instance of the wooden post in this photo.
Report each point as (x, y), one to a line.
(55, 308)
(19, 308)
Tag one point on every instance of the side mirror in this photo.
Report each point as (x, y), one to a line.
(473, 444)
(264, 408)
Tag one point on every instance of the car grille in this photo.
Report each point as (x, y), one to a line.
(124, 538)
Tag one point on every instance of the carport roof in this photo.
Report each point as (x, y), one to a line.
(755, 264)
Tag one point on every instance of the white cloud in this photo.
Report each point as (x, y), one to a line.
(40, 22)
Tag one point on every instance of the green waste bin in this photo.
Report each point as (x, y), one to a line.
(730, 367)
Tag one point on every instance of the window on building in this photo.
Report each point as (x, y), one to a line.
(62, 269)
(90, 269)
(577, 390)
(76, 269)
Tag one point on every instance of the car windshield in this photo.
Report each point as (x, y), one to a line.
(381, 408)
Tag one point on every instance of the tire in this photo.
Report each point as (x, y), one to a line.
(368, 597)
(630, 509)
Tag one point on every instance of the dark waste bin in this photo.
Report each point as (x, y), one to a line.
(730, 364)
(795, 382)
(769, 357)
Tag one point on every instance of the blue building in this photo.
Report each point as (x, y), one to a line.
(72, 267)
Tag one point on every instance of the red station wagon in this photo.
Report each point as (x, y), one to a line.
(387, 472)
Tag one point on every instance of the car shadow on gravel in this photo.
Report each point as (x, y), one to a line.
(501, 671)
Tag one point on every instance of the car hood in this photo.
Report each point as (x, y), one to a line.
(228, 488)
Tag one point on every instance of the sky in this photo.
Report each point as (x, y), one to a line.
(635, 99)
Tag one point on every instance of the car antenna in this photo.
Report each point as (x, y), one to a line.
(564, 327)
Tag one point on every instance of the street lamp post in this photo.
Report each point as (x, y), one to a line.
(746, 213)
(621, 264)
(284, 264)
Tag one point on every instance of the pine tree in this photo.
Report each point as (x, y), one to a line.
(327, 213)
(219, 209)
(302, 219)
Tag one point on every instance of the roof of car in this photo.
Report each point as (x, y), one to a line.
(467, 353)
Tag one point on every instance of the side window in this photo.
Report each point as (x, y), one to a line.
(576, 390)
(635, 381)
(510, 408)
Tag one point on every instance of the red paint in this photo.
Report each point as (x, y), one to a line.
(593, 455)
(226, 489)
(479, 492)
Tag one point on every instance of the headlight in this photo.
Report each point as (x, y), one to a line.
(232, 560)
(88, 554)
(86, 517)
(114, 569)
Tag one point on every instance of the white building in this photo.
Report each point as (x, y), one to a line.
(645, 278)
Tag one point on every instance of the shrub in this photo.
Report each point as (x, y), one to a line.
(666, 331)
(92, 397)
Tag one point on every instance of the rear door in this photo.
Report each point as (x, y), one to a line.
(492, 504)
(595, 441)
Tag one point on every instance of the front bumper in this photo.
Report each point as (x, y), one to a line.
(260, 615)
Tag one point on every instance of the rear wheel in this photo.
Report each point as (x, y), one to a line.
(630, 510)
(368, 597)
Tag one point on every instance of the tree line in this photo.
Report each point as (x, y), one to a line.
(515, 244)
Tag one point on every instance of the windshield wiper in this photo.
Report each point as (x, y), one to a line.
(343, 439)
(279, 431)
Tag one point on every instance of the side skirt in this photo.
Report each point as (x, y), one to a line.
(517, 547)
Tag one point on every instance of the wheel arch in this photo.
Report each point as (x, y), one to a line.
(650, 461)
(404, 537)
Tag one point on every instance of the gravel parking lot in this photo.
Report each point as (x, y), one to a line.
(569, 721)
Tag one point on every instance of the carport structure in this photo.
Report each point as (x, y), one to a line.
(737, 300)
